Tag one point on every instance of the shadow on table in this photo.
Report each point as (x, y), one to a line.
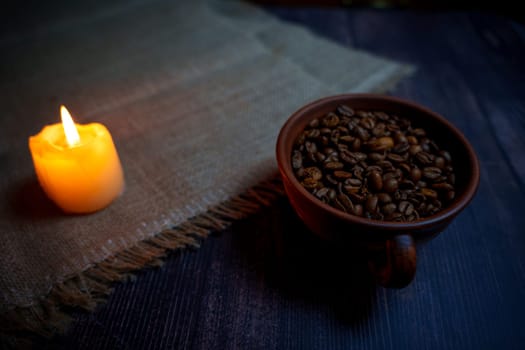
(302, 267)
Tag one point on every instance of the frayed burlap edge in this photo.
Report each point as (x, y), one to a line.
(52, 314)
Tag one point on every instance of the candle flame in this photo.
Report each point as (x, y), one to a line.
(70, 129)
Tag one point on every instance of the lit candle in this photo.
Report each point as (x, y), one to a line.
(77, 165)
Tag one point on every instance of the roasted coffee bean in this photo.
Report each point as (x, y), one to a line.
(311, 147)
(405, 167)
(395, 158)
(390, 185)
(314, 123)
(340, 174)
(380, 144)
(375, 181)
(297, 160)
(344, 110)
(313, 172)
(334, 165)
(442, 186)
(346, 202)
(446, 155)
(431, 173)
(389, 208)
(356, 145)
(321, 193)
(331, 179)
(415, 174)
(310, 183)
(381, 116)
(418, 132)
(406, 207)
(357, 197)
(412, 140)
(376, 156)
(373, 164)
(424, 158)
(427, 192)
(313, 134)
(347, 138)
(440, 162)
(372, 168)
(353, 182)
(331, 120)
(379, 130)
(358, 210)
(414, 149)
(362, 133)
(367, 123)
(385, 165)
(384, 197)
(401, 148)
(406, 184)
(390, 175)
(371, 203)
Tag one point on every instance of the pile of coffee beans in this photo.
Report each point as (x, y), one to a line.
(373, 164)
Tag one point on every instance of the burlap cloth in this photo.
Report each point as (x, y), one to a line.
(194, 94)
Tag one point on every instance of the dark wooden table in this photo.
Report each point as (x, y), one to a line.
(266, 283)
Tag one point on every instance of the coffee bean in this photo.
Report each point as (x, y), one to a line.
(381, 116)
(330, 121)
(442, 186)
(373, 164)
(380, 144)
(310, 183)
(389, 208)
(431, 173)
(314, 123)
(311, 147)
(427, 192)
(358, 210)
(390, 185)
(344, 110)
(334, 165)
(384, 197)
(415, 174)
(424, 158)
(313, 134)
(347, 139)
(395, 158)
(371, 203)
(440, 162)
(412, 140)
(375, 181)
(297, 160)
(418, 132)
(331, 179)
(376, 156)
(401, 148)
(346, 202)
(415, 149)
(446, 155)
(340, 174)
(322, 192)
(379, 130)
(313, 172)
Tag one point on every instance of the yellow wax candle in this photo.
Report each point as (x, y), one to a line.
(77, 165)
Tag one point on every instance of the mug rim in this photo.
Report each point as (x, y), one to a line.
(284, 163)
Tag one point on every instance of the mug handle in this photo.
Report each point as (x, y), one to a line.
(394, 266)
